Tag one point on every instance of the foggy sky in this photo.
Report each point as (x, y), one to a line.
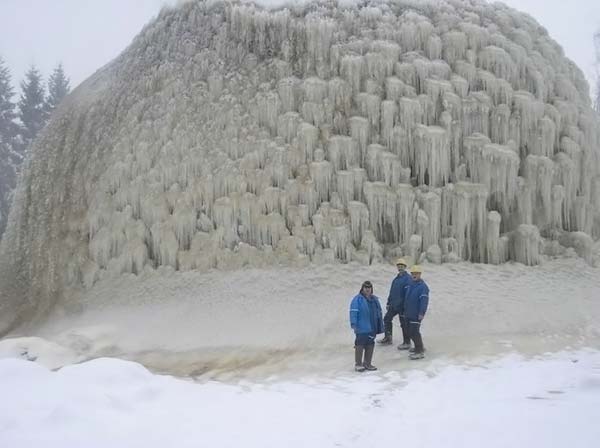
(86, 34)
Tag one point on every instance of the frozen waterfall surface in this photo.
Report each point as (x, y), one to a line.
(230, 138)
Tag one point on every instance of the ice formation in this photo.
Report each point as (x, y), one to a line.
(229, 134)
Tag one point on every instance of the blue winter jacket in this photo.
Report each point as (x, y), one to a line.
(416, 300)
(360, 318)
(398, 291)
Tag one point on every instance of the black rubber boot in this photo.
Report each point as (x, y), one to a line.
(386, 340)
(358, 358)
(369, 349)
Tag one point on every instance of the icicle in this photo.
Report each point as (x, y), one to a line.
(287, 125)
(499, 124)
(454, 46)
(381, 202)
(461, 85)
(407, 74)
(321, 172)
(434, 47)
(525, 245)
(405, 211)
(360, 133)
(410, 113)
(369, 107)
(389, 169)
(289, 93)
(224, 216)
(308, 136)
(345, 186)
(530, 112)
(342, 152)
(376, 67)
(476, 114)
(319, 37)
(352, 69)
(431, 204)
(493, 250)
(185, 224)
(315, 89)
(495, 166)
(469, 216)
(271, 229)
(388, 118)
(538, 171)
(499, 62)
(395, 89)
(432, 155)
(360, 177)
(164, 245)
(543, 142)
(565, 174)
(558, 198)
(339, 95)
(359, 221)
(422, 226)
(390, 52)
(268, 109)
(499, 90)
(436, 91)
(415, 244)
(371, 164)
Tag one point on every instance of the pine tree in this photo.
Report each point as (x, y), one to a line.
(9, 157)
(8, 127)
(597, 94)
(58, 88)
(31, 106)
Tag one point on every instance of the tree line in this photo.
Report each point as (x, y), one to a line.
(597, 92)
(22, 120)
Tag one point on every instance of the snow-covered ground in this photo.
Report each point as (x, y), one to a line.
(264, 358)
(552, 401)
(255, 323)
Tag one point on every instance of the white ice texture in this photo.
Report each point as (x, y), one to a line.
(229, 134)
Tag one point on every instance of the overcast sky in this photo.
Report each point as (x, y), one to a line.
(86, 34)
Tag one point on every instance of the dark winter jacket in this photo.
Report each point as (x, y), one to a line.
(416, 301)
(360, 315)
(398, 291)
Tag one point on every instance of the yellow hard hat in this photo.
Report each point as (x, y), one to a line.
(401, 261)
(416, 269)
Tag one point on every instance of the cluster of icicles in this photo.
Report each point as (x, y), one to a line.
(448, 130)
(357, 133)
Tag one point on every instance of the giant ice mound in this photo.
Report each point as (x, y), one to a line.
(229, 134)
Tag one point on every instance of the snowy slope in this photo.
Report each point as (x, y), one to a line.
(548, 402)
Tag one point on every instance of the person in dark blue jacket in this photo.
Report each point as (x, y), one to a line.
(395, 306)
(415, 307)
(366, 321)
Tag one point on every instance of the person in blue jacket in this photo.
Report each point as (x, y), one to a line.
(395, 306)
(415, 307)
(366, 321)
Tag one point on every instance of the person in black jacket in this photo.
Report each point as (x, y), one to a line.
(395, 306)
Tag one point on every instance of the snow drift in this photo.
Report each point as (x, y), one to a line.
(229, 135)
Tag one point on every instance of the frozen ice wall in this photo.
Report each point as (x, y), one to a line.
(228, 134)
